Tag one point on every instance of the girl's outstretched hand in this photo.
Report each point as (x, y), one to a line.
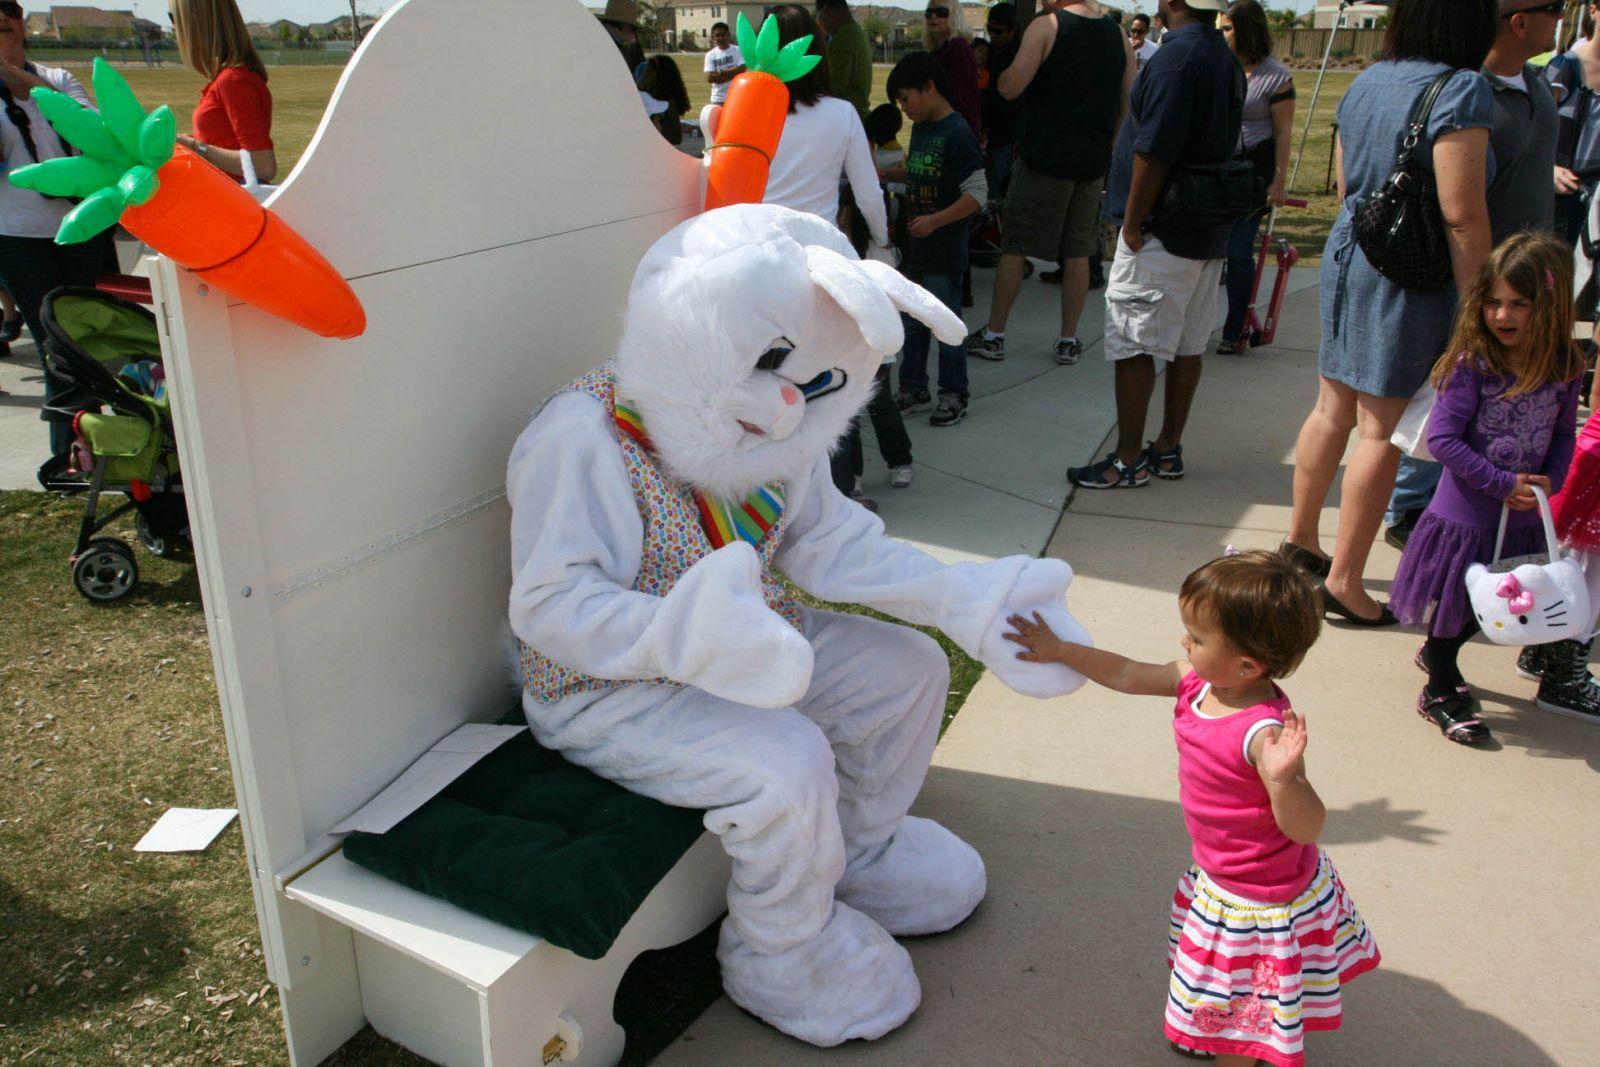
(1283, 757)
(1040, 643)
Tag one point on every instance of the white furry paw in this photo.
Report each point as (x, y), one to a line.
(1042, 680)
(924, 881)
(850, 981)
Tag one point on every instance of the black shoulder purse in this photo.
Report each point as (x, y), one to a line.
(1400, 228)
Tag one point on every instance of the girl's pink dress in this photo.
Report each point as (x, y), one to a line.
(1262, 930)
(1577, 506)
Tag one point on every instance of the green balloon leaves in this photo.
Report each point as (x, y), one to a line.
(119, 108)
(75, 176)
(761, 52)
(100, 211)
(157, 137)
(122, 149)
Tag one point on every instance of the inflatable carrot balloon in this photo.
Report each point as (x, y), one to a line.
(133, 171)
(752, 118)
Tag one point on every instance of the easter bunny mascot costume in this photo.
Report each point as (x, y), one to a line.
(654, 500)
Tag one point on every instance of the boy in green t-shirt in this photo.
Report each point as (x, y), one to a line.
(945, 184)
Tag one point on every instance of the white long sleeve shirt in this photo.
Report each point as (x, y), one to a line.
(819, 144)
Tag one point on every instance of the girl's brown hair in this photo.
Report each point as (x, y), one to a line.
(795, 22)
(212, 37)
(1264, 605)
(1539, 268)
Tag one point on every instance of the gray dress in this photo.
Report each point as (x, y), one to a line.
(1378, 338)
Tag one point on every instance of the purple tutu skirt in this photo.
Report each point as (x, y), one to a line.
(1430, 587)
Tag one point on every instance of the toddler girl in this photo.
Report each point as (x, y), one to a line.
(1262, 930)
(1503, 422)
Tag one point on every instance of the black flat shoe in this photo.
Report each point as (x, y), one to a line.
(1332, 606)
(1308, 561)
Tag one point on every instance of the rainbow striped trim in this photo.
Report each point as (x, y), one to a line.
(748, 520)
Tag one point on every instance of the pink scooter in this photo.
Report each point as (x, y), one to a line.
(1258, 332)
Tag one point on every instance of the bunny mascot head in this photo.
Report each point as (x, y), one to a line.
(752, 338)
(654, 500)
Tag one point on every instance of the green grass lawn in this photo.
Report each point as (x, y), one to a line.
(110, 717)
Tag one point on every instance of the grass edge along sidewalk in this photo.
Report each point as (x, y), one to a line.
(108, 955)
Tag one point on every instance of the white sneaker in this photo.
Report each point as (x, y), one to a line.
(900, 477)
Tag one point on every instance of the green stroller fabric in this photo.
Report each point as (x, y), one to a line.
(538, 844)
(113, 335)
(129, 446)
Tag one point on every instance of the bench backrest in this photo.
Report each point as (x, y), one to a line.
(485, 177)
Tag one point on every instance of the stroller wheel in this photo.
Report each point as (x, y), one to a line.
(169, 546)
(105, 571)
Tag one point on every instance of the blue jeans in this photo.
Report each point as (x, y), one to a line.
(1413, 487)
(1241, 274)
(952, 358)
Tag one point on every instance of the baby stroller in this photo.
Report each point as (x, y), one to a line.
(107, 354)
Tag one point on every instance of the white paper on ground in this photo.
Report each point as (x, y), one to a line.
(433, 770)
(186, 829)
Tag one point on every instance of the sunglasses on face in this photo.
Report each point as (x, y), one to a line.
(936, 13)
(10, 9)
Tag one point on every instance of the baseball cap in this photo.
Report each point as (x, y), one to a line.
(1208, 5)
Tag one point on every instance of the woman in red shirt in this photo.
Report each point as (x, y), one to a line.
(234, 115)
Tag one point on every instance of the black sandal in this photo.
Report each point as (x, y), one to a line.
(1331, 605)
(1307, 560)
(1452, 714)
(1191, 1053)
(1166, 465)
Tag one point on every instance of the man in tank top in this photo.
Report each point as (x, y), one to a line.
(1072, 73)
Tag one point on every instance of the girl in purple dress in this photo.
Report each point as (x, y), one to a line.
(1504, 421)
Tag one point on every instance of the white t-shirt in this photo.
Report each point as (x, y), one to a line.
(1143, 53)
(23, 212)
(819, 144)
(717, 61)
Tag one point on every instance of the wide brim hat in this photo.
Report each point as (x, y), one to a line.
(621, 12)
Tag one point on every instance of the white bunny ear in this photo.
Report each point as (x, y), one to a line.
(860, 295)
(916, 301)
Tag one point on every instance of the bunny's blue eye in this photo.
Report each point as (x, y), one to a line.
(773, 357)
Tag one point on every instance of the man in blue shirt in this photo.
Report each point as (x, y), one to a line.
(1578, 144)
(1161, 302)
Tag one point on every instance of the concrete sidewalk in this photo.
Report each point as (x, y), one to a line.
(1470, 866)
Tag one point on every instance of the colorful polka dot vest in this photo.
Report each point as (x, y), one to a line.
(674, 540)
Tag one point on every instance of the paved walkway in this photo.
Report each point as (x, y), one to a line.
(1472, 867)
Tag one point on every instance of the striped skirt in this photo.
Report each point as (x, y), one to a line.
(1250, 979)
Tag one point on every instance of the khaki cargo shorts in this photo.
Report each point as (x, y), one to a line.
(1050, 218)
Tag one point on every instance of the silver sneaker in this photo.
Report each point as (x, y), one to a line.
(900, 477)
(992, 349)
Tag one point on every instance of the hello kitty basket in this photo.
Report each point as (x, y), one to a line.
(1530, 600)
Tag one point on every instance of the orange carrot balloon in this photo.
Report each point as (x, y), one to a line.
(133, 171)
(752, 118)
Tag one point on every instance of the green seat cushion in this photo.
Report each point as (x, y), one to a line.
(535, 843)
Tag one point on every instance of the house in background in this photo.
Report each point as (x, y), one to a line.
(1357, 16)
(90, 24)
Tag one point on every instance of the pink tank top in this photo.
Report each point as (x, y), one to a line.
(1229, 815)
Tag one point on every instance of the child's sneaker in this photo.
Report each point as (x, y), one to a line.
(984, 346)
(900, 477)
(911, 401)
(1068, 350)
(951, 409)
(1566, 687)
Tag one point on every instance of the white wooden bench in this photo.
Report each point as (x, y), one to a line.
(486, 180)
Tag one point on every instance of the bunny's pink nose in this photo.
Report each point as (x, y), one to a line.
(791, 395)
